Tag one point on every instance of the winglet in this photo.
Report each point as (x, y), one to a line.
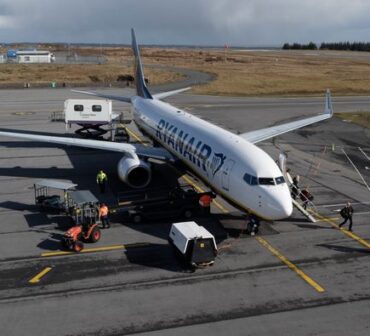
(141, 89)
(328, 104)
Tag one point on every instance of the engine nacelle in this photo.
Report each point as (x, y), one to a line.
(135, 172)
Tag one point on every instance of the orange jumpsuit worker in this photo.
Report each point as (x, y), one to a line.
(205, 202)
(103, 215)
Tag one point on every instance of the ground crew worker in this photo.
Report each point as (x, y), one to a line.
(295, 187)
(101, 180)
(347, 213)
(205, 202)
(103, 215)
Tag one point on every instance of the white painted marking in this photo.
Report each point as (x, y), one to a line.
(364, 155)
(358, 172)
(339, 204)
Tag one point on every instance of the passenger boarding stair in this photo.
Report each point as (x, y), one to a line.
(304, 211)
(282, 165)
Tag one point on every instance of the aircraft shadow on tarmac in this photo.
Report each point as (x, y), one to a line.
(40, 217)
(345, 249)
(313, 226)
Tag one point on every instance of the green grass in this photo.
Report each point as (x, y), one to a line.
(359, 118)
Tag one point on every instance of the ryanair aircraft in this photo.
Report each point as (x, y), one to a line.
(232, 165)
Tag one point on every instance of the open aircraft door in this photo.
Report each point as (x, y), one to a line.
(227, 168)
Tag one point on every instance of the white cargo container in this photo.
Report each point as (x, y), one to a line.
(88, 112)
(194, 243)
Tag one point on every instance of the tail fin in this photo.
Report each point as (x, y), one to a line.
(141, 89)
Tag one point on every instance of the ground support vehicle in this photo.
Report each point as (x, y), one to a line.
(56, 201)
(73, 239)
(84, 210)
(155, 204)
(193, 243)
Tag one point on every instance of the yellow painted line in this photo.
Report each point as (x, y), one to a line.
(293, 267)
(95, 249)
(328, 219)
(136, 136)
(38, 277)
(350, 234)
(87, 250)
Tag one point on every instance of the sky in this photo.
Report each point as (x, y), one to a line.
(185, 22)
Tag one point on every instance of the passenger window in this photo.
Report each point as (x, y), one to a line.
(266, 181)
(96, 108)
(78, 108)
(280, 180)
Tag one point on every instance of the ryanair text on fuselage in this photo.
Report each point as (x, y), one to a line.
(198, 152)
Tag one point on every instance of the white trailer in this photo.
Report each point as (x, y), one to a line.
(194, 243)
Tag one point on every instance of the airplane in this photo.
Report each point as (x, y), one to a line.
(230, 164)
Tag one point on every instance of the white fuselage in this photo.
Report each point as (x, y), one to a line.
(238, 170)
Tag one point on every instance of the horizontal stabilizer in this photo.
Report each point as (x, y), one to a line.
(102, 95)
(166, 94)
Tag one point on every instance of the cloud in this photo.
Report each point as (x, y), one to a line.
(206, 22)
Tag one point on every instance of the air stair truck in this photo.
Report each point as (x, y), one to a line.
(193, 243)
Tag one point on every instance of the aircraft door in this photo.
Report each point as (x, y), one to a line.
(226, 171)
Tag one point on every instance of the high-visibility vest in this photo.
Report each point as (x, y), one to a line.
(103, 211)
(205, 200)
(101, 177)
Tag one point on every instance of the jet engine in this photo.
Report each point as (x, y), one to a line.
(135, 172)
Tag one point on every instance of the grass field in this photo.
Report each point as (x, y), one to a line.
(359, 118)
(239, 73)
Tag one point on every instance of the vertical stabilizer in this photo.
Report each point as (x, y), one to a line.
(141, 89)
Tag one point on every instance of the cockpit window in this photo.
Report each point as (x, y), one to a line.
(280, 180)
(266, 181)
(251, 180)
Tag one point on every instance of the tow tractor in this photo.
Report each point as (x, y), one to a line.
(84, 210)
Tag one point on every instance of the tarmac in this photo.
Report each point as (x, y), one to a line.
(293, 278)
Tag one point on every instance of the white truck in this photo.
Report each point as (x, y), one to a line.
(194, 243)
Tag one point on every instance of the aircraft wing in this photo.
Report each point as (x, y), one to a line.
(127, 149)
(271, 132)
(102, 95)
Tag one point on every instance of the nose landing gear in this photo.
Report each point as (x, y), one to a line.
(253, 224)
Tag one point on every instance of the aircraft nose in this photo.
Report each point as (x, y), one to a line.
(286, 207)
(280, 204)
